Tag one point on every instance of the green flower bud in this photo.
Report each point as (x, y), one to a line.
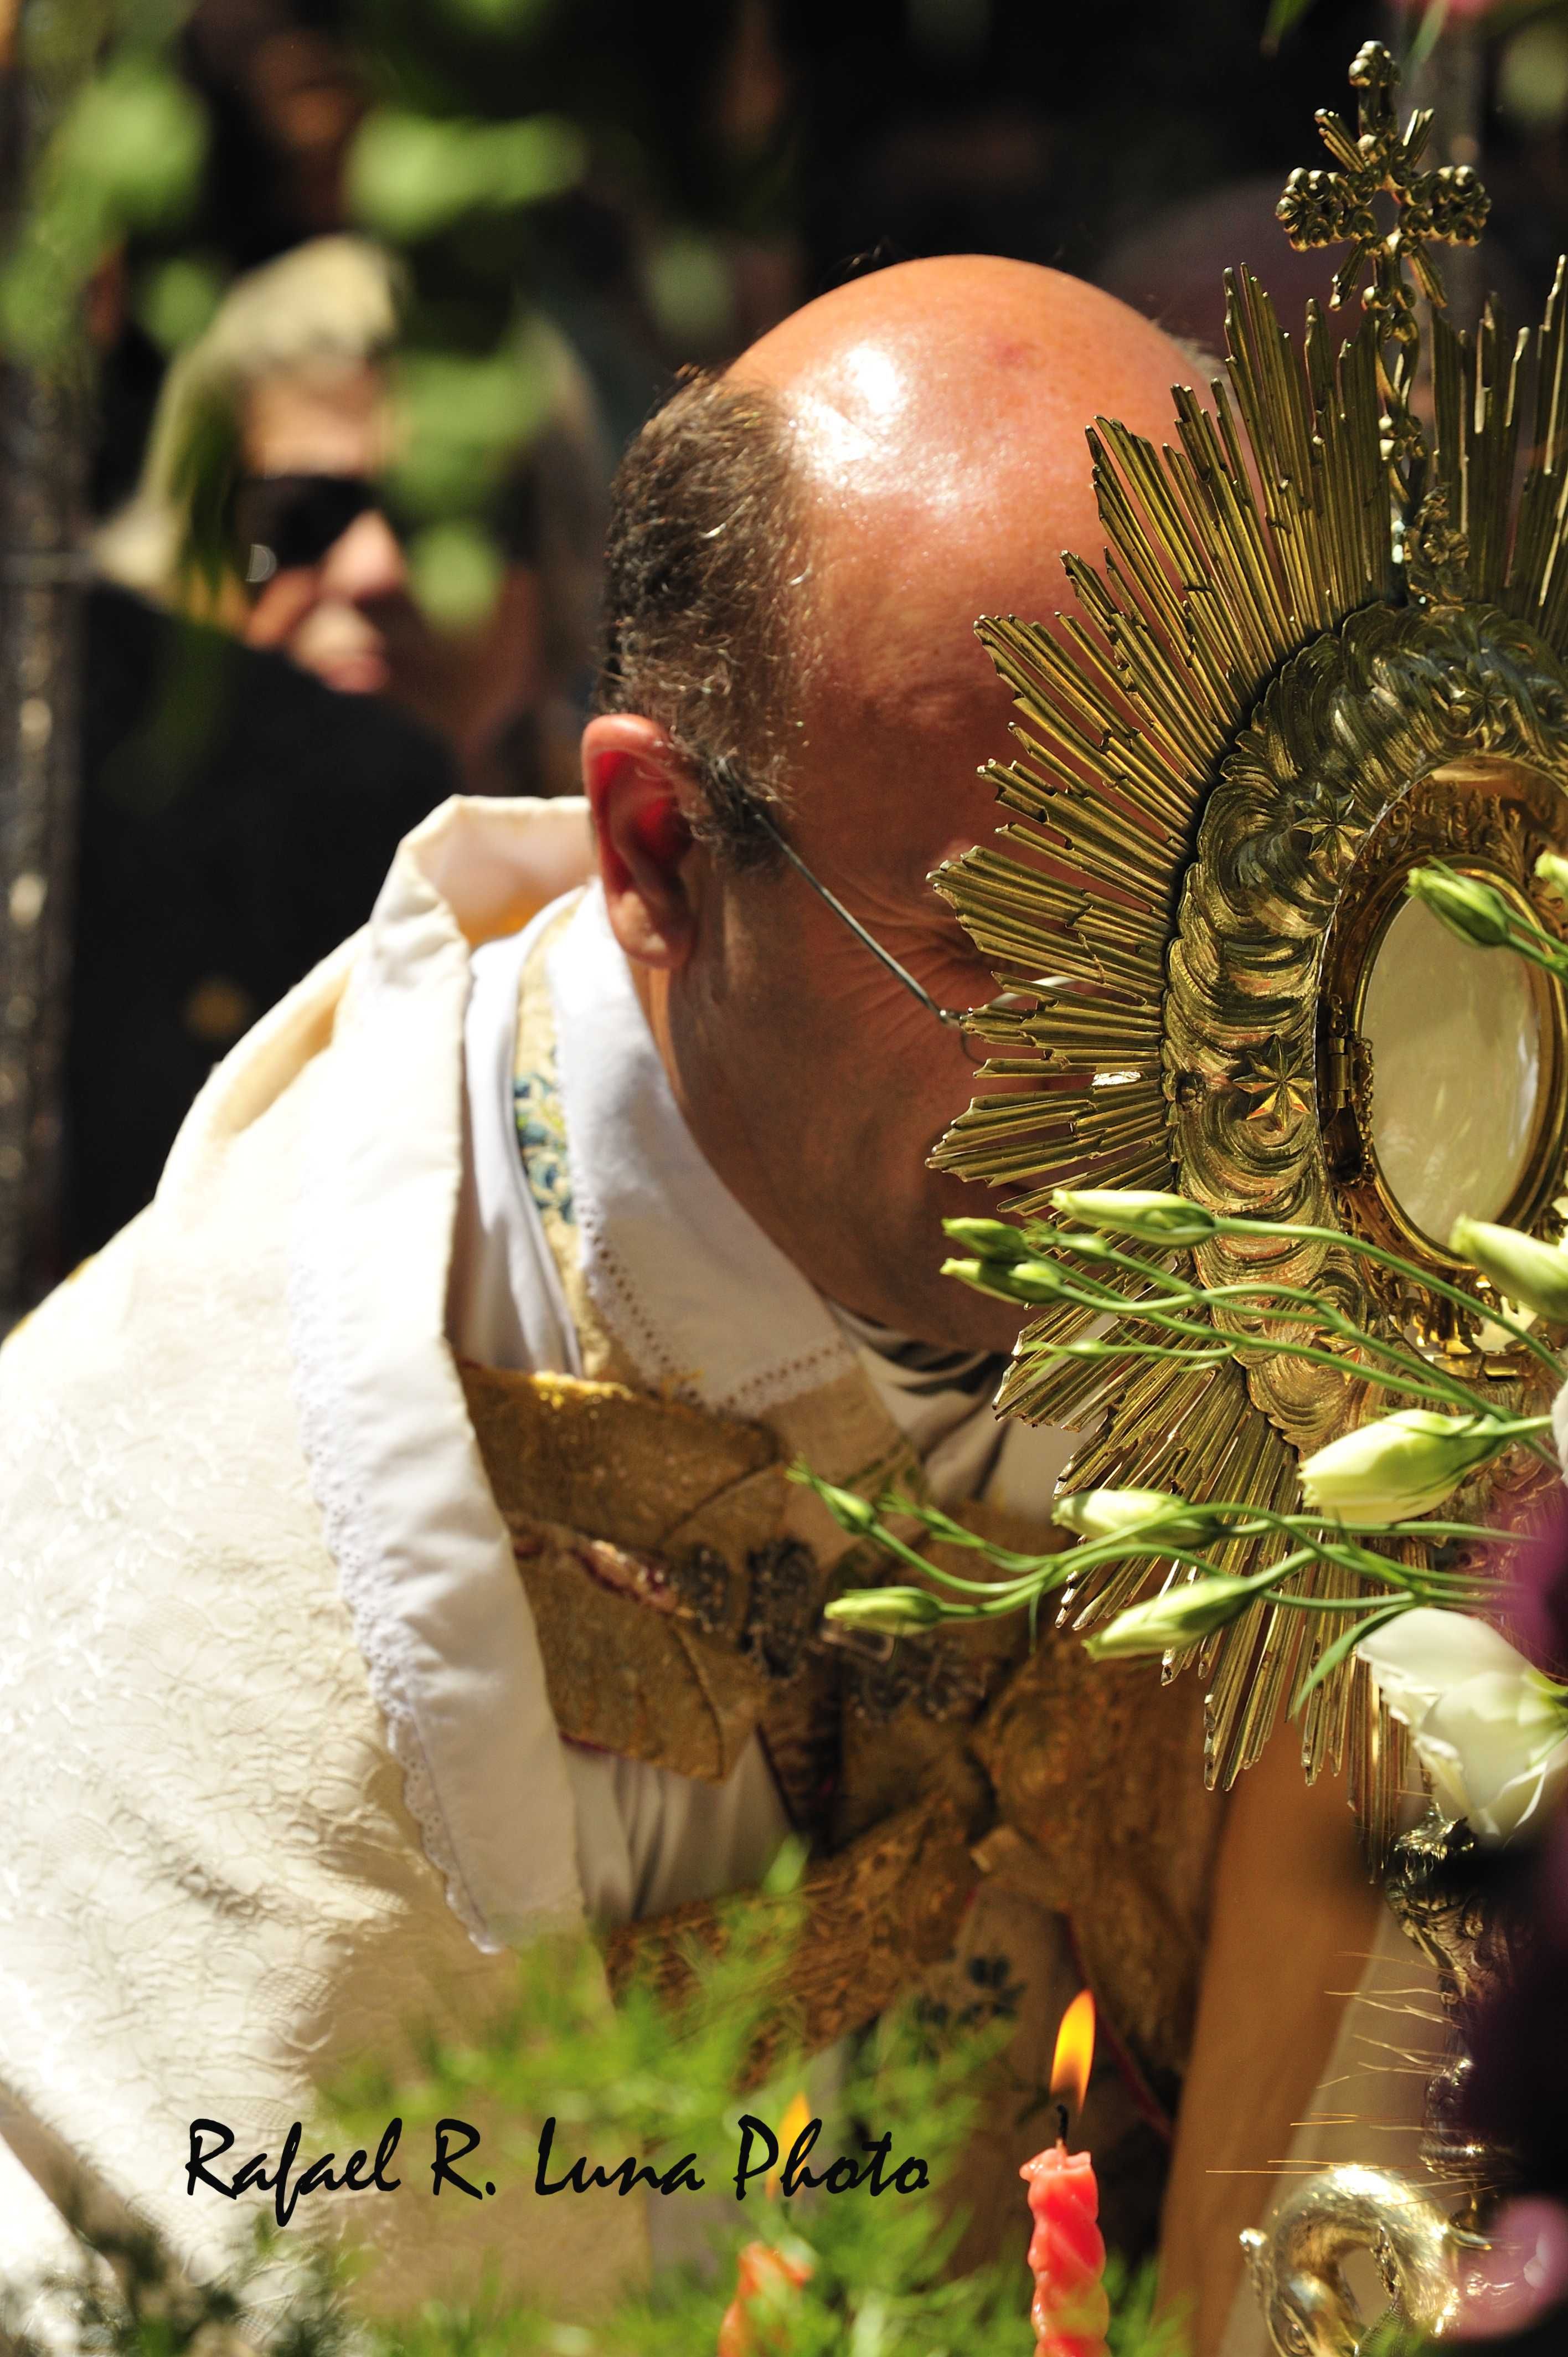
(1026, 1280)
(1180, 1617)
(1127, 1513)
(1522, 1268)
(1467, 906)
(895, 1609)
(1156, 1219)
(1553, 871)
(997, 1240)
(850, 1513)
(1400, 1465)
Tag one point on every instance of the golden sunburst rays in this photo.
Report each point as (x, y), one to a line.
(1259, 528)
(1307, 491)
(1257, 532)
(1472, 539)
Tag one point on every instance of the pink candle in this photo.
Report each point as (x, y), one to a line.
(1070, 2312)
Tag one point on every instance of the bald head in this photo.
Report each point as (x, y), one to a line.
(821, 528)
(937, 415)
(800, 555)
(960, 389)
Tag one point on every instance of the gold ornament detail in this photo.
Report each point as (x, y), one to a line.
(1446, 207)
(1286, 651)
(1438, 732)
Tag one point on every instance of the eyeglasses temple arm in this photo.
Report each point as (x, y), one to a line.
(943, 1014)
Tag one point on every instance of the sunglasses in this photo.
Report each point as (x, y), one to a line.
(279, 523)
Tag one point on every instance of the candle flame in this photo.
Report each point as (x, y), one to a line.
(796, 2120)
(1074, 2050)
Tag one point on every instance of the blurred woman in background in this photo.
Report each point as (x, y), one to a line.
(267, 506)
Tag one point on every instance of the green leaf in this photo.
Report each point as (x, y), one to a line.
(519, 19)
(134, 140)
(1427, 35)
(456, 570)
(465, 422)
(177, 301)
(691, 290)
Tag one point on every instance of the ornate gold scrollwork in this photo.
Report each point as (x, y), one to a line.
(1327, 640)
(1297, 2262)
(1409, 733)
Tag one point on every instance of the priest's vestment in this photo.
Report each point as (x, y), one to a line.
(397, 1556)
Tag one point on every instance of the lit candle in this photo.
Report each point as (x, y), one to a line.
(1070, 2311)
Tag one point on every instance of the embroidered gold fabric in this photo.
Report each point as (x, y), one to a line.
(875, 1915)
(610, 1495)
(991, 1827)
(1106, 1820)
(633, 1520)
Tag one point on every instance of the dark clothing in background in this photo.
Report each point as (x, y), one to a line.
(237, 820)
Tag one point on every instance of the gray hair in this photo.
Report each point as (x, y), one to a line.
(705, 628)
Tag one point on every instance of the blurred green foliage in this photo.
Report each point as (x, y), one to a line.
(689, 286)
(123, 154)
(659, 2081)
(177, 299)
(482, 125)
(412, 174)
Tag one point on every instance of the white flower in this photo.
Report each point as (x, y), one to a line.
(1132, 1211)
(1403, 1464)
(1097, 1514)
(1490, 1732)
(1180, 1617)
(1521, 1267)
(1467, 906)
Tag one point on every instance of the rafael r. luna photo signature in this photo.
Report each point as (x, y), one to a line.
(455, 2140)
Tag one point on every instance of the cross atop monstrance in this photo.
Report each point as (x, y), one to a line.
(1447, 206)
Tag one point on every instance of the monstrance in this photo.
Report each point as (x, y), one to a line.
(1329, 642)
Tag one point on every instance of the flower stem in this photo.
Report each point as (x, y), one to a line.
(1227, 1226)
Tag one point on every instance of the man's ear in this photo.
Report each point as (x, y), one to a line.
(635, 780)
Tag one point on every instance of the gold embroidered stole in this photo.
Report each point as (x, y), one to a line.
(676, 1580)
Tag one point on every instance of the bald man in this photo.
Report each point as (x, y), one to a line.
(397, 1553)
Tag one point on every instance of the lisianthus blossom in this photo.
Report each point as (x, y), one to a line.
(1523, 1268)
(1132, 1211)
(894, 1609)
(1097, 1514)
(1473, 910)
(1403, 1464)
(1491, 1732)
(1186, 1612)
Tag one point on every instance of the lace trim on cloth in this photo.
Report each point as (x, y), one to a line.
(351, 1539)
